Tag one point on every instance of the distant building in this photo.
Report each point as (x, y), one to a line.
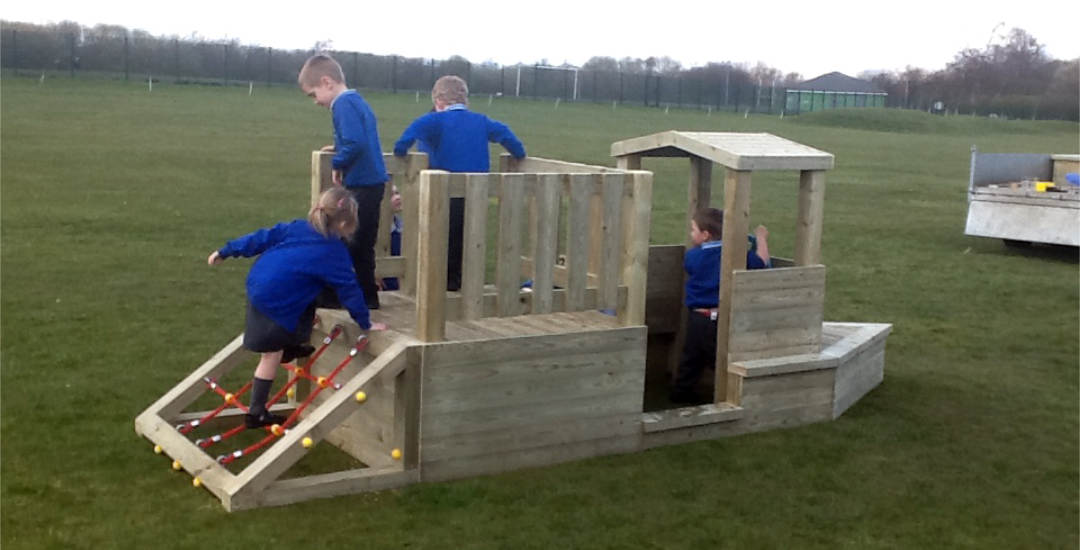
(832, 91)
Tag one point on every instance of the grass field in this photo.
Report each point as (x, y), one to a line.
(112, 197)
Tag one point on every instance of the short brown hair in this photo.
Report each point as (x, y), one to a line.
(710, 220)
(318, 66)
(450, 89)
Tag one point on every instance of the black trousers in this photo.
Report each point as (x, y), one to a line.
(456, 241)
(362, 246)
(699, 352)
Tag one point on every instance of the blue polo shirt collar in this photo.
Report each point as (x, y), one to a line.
(457, 107)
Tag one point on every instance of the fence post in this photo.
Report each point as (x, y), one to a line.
(536, 81)
(176, 59)
(225, 65)
(502, 80)
(620, 87)
(71, 54)
(393, 74)
(126, 61)
(269, 65)
(356, 69)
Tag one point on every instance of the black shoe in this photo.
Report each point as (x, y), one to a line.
(293, 352)
(252, 421)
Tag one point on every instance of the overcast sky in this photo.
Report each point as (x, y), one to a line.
(807, 37)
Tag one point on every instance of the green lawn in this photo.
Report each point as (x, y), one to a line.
(112, 197)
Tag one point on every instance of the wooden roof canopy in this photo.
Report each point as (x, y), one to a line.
(737, 151)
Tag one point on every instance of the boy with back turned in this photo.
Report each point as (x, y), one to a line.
(456, 140)
(357, 162)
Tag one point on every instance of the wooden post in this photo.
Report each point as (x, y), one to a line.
(637, 209)
(321, 174)
(811, 216)
(474, 248)
(699, 193)
(577, 241)
(508, 258)
(431, 256)
(546, 240)
(610, 245)
(409, 188)
(736, 226)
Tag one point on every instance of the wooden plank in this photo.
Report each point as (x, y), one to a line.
(566, 431)
(733, 256)
(530, 413)
(508, 257)
(191, 457)
(386, 222)
(470, 353)
(783, 365)
(321, 174)
(495, 462)
(474, 255)
(811, 217)
(673, 419)
(637, 211)
(390, 266)
(577, 240)
(431, 256)
(628, 162)
(546, 236)
(189, 389)
(543, 165)
(738, 151)
(409, 187)
(289, 491)
(286, 451)
(407, 409)
(611, 243)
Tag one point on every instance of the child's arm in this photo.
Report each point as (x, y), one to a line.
(501, 134)
(420, 129)
(339, 274)
(251, 244)
(761, 236)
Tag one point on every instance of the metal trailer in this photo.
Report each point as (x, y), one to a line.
(1008, 198)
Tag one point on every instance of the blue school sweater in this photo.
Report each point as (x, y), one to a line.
(357, 152)
(458, 139)
(295, 263)
(702, 265)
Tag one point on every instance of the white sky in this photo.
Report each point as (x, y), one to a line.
(809, 37)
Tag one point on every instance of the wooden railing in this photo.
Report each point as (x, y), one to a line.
(598, 260)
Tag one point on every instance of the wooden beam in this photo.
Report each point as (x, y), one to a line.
(189, 389)
(407, 178)
(321, 174)
(431, 251)
(474, 253)
(508, 257)
(577, 240)
(611, 243)
(733, 256)
(811, 217)
(637, 212)
(546, 237)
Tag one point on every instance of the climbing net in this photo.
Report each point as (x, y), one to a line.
(275, 431)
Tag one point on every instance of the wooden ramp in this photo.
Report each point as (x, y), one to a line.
(384, 364)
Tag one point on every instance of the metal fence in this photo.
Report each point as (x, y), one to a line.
(138, 56)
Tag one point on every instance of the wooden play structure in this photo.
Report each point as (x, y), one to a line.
(498, 377)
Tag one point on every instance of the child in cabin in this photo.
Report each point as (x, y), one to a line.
(457, 141)
(357, 163)
(702, 265)
(296, 261)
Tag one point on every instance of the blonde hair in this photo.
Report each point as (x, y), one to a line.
(335, 212)
(318, 66)
(450, 89)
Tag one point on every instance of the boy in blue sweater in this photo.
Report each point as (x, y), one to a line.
(296, 261)
(456, 140)
(357, 163)
(702, 265)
